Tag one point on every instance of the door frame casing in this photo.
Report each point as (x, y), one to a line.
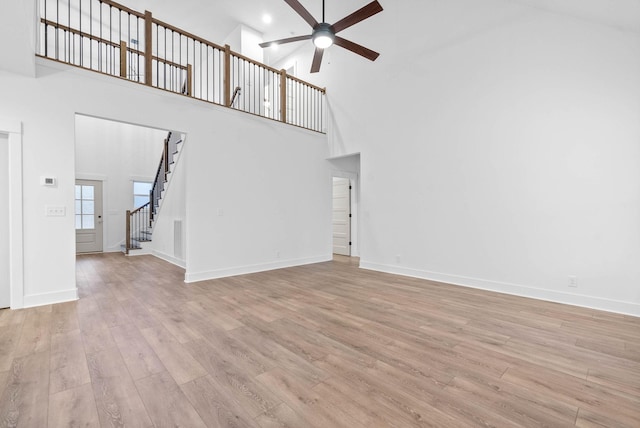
(13, 129)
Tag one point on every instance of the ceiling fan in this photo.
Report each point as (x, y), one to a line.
(324, 35)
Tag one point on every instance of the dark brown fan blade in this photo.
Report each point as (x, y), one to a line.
(304, 13)
(317, 60)
(356, 48)
(282, 41)
(357, 16)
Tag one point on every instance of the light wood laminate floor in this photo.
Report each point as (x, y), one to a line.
(325, 345)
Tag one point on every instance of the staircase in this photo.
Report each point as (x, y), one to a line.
(139, 227)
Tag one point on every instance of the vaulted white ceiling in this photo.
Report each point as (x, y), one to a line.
(216, 19)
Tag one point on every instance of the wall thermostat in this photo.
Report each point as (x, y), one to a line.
(48, 181)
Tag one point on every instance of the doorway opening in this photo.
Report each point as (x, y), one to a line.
(345, 204)
(111, 159)
(341, 216)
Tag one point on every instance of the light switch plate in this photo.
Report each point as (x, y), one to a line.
(55, 211)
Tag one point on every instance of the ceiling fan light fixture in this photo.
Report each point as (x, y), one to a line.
(323, 36)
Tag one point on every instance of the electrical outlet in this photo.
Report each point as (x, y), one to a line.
(277, 254)
(573, 281)
(398, 258)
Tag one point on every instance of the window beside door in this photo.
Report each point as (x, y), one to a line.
(141, 191)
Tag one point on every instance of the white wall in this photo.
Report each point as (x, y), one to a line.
(17, 36)
(245, 40)
(271, 179)
(4, 222)
(117, 154)
(500, 147)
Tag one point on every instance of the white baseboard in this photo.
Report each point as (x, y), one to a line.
(33, 300)
(168, 258)
(261, 267)
(513, 289)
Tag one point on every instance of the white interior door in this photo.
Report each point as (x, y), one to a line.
(5, 288)
(88, 212)
(341, 216)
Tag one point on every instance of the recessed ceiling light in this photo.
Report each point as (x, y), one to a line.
(266, 18)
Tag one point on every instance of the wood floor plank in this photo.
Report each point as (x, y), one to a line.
(400, 395)
(116, 396)
(607, 403)
(68, 362)
(73, 407)
(112, 313)
(64, 317)
(508, 408)
(298, 394)
(9, 337)
(277, 355)
(282, 416)
(231, 379)
(36, 333)
(167, 404)
(215, 405)
(12, 317)
(26, 393)
(96, 335)
(140, 359)
(175, 357)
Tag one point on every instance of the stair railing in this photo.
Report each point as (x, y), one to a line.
(160, 178)
(236, 92)
(138, 223)
(109, 38)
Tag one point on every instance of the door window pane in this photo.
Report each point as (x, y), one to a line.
(87, 222)
(85, 207)
(87, 192)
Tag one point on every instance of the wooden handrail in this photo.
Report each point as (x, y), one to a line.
(122, 7)
(138, 209)
(254, 62)
(187, 34)
(82, 33)
(317, 88)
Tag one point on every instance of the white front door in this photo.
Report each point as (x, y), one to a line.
(5, 289)
(341, 216)
(88, 211)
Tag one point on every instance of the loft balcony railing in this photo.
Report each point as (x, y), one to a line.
(110, 38)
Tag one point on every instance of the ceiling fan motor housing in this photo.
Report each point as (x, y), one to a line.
(323, 35)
